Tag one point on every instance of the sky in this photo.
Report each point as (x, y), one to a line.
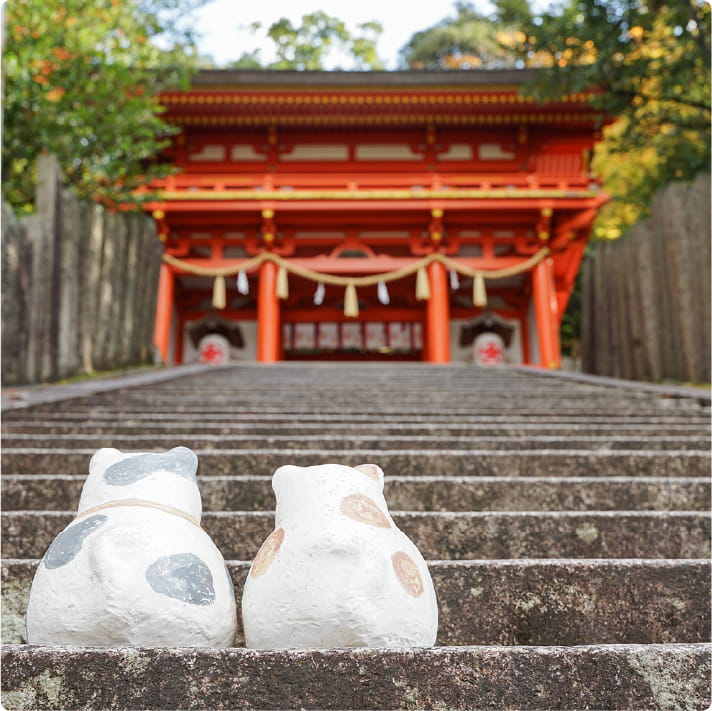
(219, 22)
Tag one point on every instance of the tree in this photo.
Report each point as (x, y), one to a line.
(466, 41)
(309, 46)
(82, 80)
(648, 62)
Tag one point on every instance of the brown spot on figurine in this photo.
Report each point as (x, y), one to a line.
(361, 508)
(370, 470)
(267, 552)
(408, 573)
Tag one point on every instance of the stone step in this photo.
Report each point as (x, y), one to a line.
(152, 442)
(336, 406)
(630, 677)
(504, 602)
(254, 493)
(542, 421)
(164, 424)
(401, 462)
(442, 535)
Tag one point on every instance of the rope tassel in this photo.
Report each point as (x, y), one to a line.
(219, 296)
(243, 286)
(350, 301)
(422, 285)
(454, 280)
(282, 284)
(383, 295)
(479, 290)
(319, 294)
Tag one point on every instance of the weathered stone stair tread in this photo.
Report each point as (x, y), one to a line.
(525, 602)
(163, 424)
(443, 535)
(89, 416)
(154, 442)
(631, 677)
(396, 390)
(402, 462)
(336, 407)
(254, 493)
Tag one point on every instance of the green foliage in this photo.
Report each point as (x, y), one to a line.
(649, 62)
(465, 41)
(308, 46)
(81, 80)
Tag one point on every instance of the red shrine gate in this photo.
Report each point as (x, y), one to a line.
(372, 215)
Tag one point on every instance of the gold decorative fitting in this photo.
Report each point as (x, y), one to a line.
(436, 212)
(158, 214)
(267, 214)
(268, 237)
(546, 212)
(543, 236)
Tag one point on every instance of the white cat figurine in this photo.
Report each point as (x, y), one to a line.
(336, 572)
(134, 567)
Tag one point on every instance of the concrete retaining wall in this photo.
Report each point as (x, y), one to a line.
(646, 296)
(79, 285)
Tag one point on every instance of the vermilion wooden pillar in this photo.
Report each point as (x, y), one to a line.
(268, 326)
(164, 311)
(546, 311)
(437, 321)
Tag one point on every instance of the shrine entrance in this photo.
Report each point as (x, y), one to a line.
(370, 216)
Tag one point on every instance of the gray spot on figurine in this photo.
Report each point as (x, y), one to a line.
(180, 461)
(182, 576)
(68, 543)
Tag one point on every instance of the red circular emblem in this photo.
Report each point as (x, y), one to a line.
(210, 353)
(490, 353)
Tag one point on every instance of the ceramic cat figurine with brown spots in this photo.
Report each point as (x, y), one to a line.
(336, 571)
(134, 567)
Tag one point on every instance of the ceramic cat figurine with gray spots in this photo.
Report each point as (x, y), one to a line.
(134, 567)
(336, 571)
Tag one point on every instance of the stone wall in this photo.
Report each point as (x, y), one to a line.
(79, 285)
(646, 296)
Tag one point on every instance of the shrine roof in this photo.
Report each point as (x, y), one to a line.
(405, 79)
(224, 97)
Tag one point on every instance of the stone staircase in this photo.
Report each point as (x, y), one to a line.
(566, 524)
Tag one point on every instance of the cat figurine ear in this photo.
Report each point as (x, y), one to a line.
(336, 571)
(134, 567)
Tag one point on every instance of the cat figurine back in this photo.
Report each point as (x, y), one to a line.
(336, 571)
(134, 567)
